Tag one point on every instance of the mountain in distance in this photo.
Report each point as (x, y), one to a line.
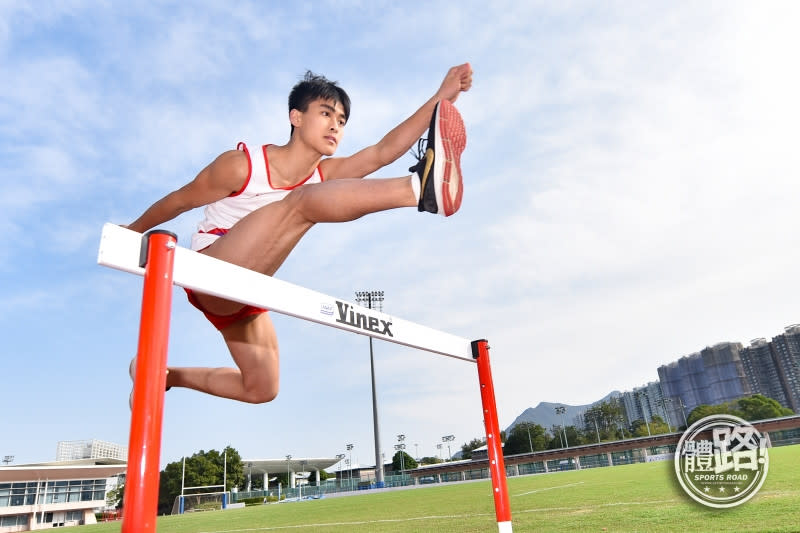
(545, 415)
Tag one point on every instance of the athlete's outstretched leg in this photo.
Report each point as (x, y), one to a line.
(254, 348)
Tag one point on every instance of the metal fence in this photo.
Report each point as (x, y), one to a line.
(778, 438)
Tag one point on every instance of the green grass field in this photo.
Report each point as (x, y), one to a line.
(641, 497)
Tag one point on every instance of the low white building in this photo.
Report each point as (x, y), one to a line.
(61, 493)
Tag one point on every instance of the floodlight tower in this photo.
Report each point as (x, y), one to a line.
(401, 447)
(8, 459)
(664, 402)
(350, 463)
(683, 411)
(448, 439)
(560, 410)
(374, 300)
(639, 395)
(339, 457)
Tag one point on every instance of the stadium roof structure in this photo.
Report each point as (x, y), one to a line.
(295, 464)
(77, 469)
(107, 467)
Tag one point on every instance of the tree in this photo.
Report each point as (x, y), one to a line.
(574, 437)
(602, 419)
(116, 497)
(703, 410)
(640, 428)
(428, 460)
(468, 447)
(169, 486)
(402, 461)
(202, 468)
(525, 437)
(759, 407)
(755, 407)
(658, 426)
(655, 425)
(557, 437)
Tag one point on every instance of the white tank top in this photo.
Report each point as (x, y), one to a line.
(257, 192)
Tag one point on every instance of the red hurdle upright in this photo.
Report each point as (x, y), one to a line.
(494, 446)
(144, 446)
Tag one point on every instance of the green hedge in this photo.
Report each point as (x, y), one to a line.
(260, 501)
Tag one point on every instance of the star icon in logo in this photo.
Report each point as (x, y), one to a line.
(722, 489)
(707, 489)
(736, 489)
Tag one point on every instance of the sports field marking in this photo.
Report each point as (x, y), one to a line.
(353, 523)
(437, 517)
(549, 488)
(589, 507)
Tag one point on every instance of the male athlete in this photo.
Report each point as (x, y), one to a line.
(261, 199)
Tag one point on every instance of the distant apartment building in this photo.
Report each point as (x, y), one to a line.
(762, 372)
(643, 402)
(787, 356)
(74, 450)
(712, 376)
(773, 368)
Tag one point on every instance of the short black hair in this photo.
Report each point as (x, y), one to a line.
(314, 87)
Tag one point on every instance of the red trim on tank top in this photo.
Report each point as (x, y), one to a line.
(215, 231)
(269, 175)
(242, 146)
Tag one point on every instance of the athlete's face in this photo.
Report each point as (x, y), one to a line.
(323, 124)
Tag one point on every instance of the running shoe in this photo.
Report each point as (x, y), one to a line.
(439, 161)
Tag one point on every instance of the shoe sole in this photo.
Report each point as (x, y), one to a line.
(451, 139)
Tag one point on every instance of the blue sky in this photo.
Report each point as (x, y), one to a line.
(631, 197)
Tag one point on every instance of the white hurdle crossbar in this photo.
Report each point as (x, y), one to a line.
(157, 257)
(120, 249)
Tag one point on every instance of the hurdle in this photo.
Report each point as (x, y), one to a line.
(157, 257)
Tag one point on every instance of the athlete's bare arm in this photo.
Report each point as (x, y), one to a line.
(222, 177)
(400, 140)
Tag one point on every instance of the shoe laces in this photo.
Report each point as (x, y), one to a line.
(422, 145)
